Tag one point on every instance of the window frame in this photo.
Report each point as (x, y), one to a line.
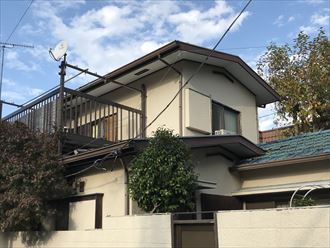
(224, 107)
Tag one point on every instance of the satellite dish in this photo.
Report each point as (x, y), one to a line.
(59, 51)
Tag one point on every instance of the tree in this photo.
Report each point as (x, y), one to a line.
(301, 75)
(30, 177)
(162, 178)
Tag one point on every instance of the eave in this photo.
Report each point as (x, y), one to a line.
(178, 51)
(233, 146)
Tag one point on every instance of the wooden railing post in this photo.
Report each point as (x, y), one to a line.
(143, 109)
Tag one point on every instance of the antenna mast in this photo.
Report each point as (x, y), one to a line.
(3, 46)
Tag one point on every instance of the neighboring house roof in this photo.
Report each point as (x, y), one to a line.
(297, 149)
(273, 134)
(177, 51)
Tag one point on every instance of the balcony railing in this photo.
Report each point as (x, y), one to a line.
(82, 114)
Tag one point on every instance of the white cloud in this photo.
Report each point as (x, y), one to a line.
(266, 123)
(8, 82)
(279, 21)
(322, 20)
(291, 19)
(317, 20)
(105, 38)
(195, 25)
(18, 93)
(71, 4)
(266, 117)
(13, 61)
(315, 2)
(308, 29)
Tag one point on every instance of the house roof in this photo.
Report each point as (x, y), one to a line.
(177, 51)
(302, 148)
(234, 147)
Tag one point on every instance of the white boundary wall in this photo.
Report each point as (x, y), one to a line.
(147, 231)
(280, 228)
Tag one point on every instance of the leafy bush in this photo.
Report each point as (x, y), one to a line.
(162, 178)
(302, 202)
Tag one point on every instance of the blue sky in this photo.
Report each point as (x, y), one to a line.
(104, 35)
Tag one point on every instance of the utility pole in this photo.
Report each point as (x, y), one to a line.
(3, 46)
(61, 99)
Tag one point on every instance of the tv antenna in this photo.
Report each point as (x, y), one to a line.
(3, 46)
(59, 51)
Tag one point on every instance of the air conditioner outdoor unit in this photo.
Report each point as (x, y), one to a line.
(223, 132)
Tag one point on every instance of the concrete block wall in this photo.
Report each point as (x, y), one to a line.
(280, 228)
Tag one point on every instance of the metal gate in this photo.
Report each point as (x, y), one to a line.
(194, 230)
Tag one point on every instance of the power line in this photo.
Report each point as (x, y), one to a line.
(272, 113)
(187, 81)
(100, 161)
(253, 47)
(26, 10)
(198, 69)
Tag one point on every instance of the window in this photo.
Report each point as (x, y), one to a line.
(224, 118)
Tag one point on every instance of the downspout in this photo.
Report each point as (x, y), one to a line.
(180, 94)
(126, 178)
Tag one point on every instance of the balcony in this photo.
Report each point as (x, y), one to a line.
(86, 119)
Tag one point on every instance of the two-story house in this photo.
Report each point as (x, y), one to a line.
(214, 111)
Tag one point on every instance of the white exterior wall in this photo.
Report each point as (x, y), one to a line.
(280, 228)
(153, 231)
(220, 89)
(273, 228)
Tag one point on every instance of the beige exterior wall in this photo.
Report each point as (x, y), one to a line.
(302, 227)
(215, 169)
(109, 183)
(220, 89)
(210, 85)
(300, 173)
(153, 231)
(159, 93)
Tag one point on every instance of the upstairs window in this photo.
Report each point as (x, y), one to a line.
(224, 118)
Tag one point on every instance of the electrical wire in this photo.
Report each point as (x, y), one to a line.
(20, 20)
(126, 118)
(181, 88)
(272, 113)
(192, 75)
(196, 72)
